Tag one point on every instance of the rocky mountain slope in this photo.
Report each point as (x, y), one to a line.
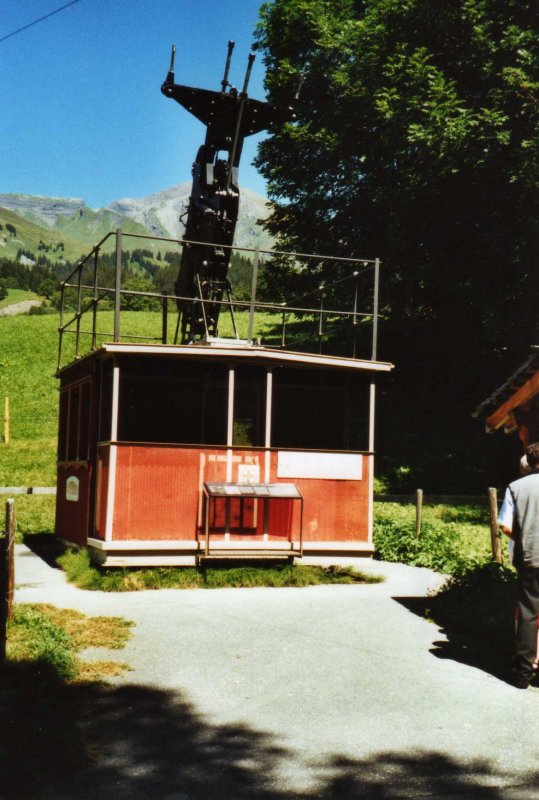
(158, 214)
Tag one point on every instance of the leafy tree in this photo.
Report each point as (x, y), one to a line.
(417, 140)
(166, 276)
(241, 274)
(3, 288)
(136, 302)
(48, 287)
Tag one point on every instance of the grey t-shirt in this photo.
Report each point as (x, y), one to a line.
(525, 493)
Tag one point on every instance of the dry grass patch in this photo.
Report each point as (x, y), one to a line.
(110, 632)
(54, 636)
(100, 671)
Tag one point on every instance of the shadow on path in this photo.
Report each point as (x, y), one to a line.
(475, 637)
(82, 742)
(46, 546)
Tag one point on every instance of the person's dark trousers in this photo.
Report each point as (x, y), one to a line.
(528, 611)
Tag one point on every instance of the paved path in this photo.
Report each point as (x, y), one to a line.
(321, 692)
(19, 308)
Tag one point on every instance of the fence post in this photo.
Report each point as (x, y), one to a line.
(495, 539)
(7, 576)
(418, 511)
(6, 420)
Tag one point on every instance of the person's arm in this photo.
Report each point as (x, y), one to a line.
(505, 518)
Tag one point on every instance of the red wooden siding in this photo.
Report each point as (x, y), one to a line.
(158, 496)
(334, 510)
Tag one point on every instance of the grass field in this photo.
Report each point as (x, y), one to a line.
(27, 368)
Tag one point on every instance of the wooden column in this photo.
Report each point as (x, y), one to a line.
(7, 576)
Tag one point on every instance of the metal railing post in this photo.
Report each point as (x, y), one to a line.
(354, 318)
(375, 309)
(61, 326)
(283, 332)
(321, 318)
(254, 280)
(118, 285)
(94, 315)
(164, 329)
(203, 306)
(79, 306)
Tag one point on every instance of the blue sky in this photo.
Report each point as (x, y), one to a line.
(82, 111)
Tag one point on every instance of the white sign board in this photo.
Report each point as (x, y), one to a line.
(328, 466)
(248, 473)
(72, 489)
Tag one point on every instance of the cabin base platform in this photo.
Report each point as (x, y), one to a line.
(190, 554)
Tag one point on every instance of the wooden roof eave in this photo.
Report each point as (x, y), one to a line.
(514, 382)
(503, 415)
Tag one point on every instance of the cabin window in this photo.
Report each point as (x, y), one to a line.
(319, 410)
(74, 431)
(73, 426)
(172, 402)
(249, 406)
(62, 431)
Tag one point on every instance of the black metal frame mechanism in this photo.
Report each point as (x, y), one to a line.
(229, 116)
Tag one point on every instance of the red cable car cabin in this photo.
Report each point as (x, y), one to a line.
(168, 453)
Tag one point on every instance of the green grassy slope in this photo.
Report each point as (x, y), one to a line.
(79, 233)
(29, 234)
(27, 366)
(89, 227)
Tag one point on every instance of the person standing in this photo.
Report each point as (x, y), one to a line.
(521, 509)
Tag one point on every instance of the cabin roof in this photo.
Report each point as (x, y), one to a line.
(517, 390)
(227, 351)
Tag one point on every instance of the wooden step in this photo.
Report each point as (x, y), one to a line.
(247, 555)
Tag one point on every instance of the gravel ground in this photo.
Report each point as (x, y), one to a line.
(322, 692)
(19, 308)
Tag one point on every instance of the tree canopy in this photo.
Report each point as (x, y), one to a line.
(416, 140)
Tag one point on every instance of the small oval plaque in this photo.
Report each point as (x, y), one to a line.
(72, 489)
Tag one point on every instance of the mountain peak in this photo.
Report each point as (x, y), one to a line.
(158, 213)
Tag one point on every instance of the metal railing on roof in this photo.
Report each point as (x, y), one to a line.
(89, 298)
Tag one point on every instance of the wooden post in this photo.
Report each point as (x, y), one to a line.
(495, 539)
(6, 420)
(418, 511)
(7, 576)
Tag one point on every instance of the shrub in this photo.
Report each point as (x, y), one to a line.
(450, 539)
